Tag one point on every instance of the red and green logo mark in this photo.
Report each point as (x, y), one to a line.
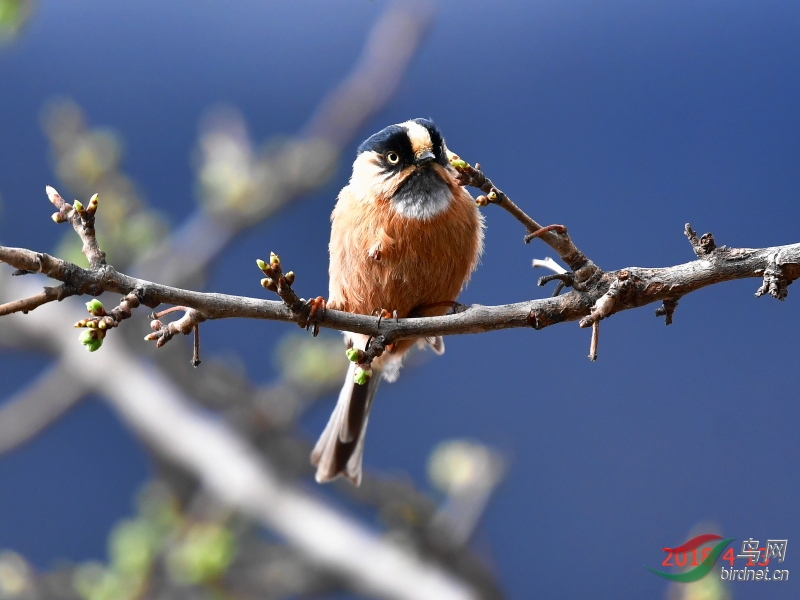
(686, 555)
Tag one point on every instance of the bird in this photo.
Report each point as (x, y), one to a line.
(405, 239)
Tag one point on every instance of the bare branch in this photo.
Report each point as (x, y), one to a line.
(82, 220)
(28, 304)
(612, 292)
(188, 323)
(606, 305)
(554, 236)
(595, 341)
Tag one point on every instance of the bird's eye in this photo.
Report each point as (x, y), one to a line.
(393, 158)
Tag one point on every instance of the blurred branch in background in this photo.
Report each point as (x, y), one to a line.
(235, 473)
(239, 188)
(198, 532)
(36, 407)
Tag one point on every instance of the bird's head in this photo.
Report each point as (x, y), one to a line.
(406, 165)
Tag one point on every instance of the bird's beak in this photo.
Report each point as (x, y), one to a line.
(423, 158)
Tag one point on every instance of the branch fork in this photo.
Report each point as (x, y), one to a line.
(188, 323)
(375, 347)
(584, 275)
(276, 281)
(621, 288)
(101, 321)
(555, 236)
(82, 220)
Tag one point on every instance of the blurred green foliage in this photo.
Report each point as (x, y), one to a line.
(313, 365)
(13, 15)
(195, 552)
(203, 555)
(87, 159)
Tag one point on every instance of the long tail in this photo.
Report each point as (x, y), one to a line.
(340, 448)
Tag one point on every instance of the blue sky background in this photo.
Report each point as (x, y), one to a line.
(622, 120)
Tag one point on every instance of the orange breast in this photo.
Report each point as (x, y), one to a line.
(420, 262)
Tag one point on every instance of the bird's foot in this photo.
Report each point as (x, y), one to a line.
(564, 280)
(382, 314)
(312, 311)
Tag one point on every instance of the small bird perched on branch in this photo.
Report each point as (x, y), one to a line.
(405, 238)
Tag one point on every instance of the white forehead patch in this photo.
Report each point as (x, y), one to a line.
(419, 136)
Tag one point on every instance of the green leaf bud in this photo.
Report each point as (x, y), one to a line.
(95, 308)
(362, 375)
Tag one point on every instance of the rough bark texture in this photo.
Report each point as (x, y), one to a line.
(606, 294)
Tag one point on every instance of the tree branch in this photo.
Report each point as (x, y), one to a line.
(82, 220)
(612, 292)
(554, 236)
(28, 304)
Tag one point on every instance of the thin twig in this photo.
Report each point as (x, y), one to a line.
(595, 341)
(554, 236)
(196, 352)
(49, 294)
(540, 232)
(82, 220)
(188, 323)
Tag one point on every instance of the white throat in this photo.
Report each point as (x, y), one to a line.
(422, 204)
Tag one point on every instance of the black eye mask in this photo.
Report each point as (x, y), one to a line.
(392, 139)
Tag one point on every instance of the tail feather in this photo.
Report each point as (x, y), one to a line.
(340, 448)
